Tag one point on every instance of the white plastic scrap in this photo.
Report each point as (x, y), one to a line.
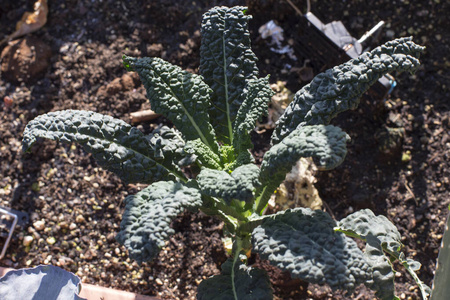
(270, 29)
(275, 32)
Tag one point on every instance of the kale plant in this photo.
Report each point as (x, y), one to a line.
(213, 114)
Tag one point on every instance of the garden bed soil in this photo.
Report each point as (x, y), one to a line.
(75, 207)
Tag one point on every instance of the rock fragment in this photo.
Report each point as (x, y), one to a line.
(39, 225)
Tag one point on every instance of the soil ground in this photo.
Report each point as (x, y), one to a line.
(80, 205)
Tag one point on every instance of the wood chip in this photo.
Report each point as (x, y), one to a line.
(144, 115)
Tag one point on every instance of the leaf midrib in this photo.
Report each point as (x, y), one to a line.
(191, 119)
(225, 79)
(109, 141)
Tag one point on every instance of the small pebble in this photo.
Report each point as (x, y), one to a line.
(51, 240)
(39, 225)
(63, 225)
(406, 156)
(390, 33)
(65, 245)
(80, 219)
(72, 226)
(158, 281)
(27, 240)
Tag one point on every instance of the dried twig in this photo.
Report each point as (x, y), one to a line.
(143, 115)
(410, 191)
(297, 10)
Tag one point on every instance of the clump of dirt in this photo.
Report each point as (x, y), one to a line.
(25, 60)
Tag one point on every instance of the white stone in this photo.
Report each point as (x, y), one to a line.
(39, 225)
(27, 240)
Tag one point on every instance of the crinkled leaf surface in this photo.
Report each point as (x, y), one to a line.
(383, 275)
(41, 282)
(379, 233)
(240, 184)
(167, 144)
(365, 223)
(249, 284)
(256, 96)
(205, 156)
(325, 143)
(339, 89)
(229, 159)
(303, 242)
(146, 221)
(115, 145)
(243, 158)
(226, 62)
(183, 97)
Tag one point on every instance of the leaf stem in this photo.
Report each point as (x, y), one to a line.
(179, 175)
(416, 279)
(262, 200)
(237, 251)
(411, 272)
(249, 226)
(229, 210)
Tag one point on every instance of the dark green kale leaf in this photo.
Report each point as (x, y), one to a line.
(339, 89)
(145, 225)
(303, 242)
(182, 97)
(226, 63)
(115, 145)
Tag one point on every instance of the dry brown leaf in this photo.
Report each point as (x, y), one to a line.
(298, 189)
(31, 21)
(278, 105)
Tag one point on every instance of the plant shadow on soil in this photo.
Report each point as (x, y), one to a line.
(81, 204)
